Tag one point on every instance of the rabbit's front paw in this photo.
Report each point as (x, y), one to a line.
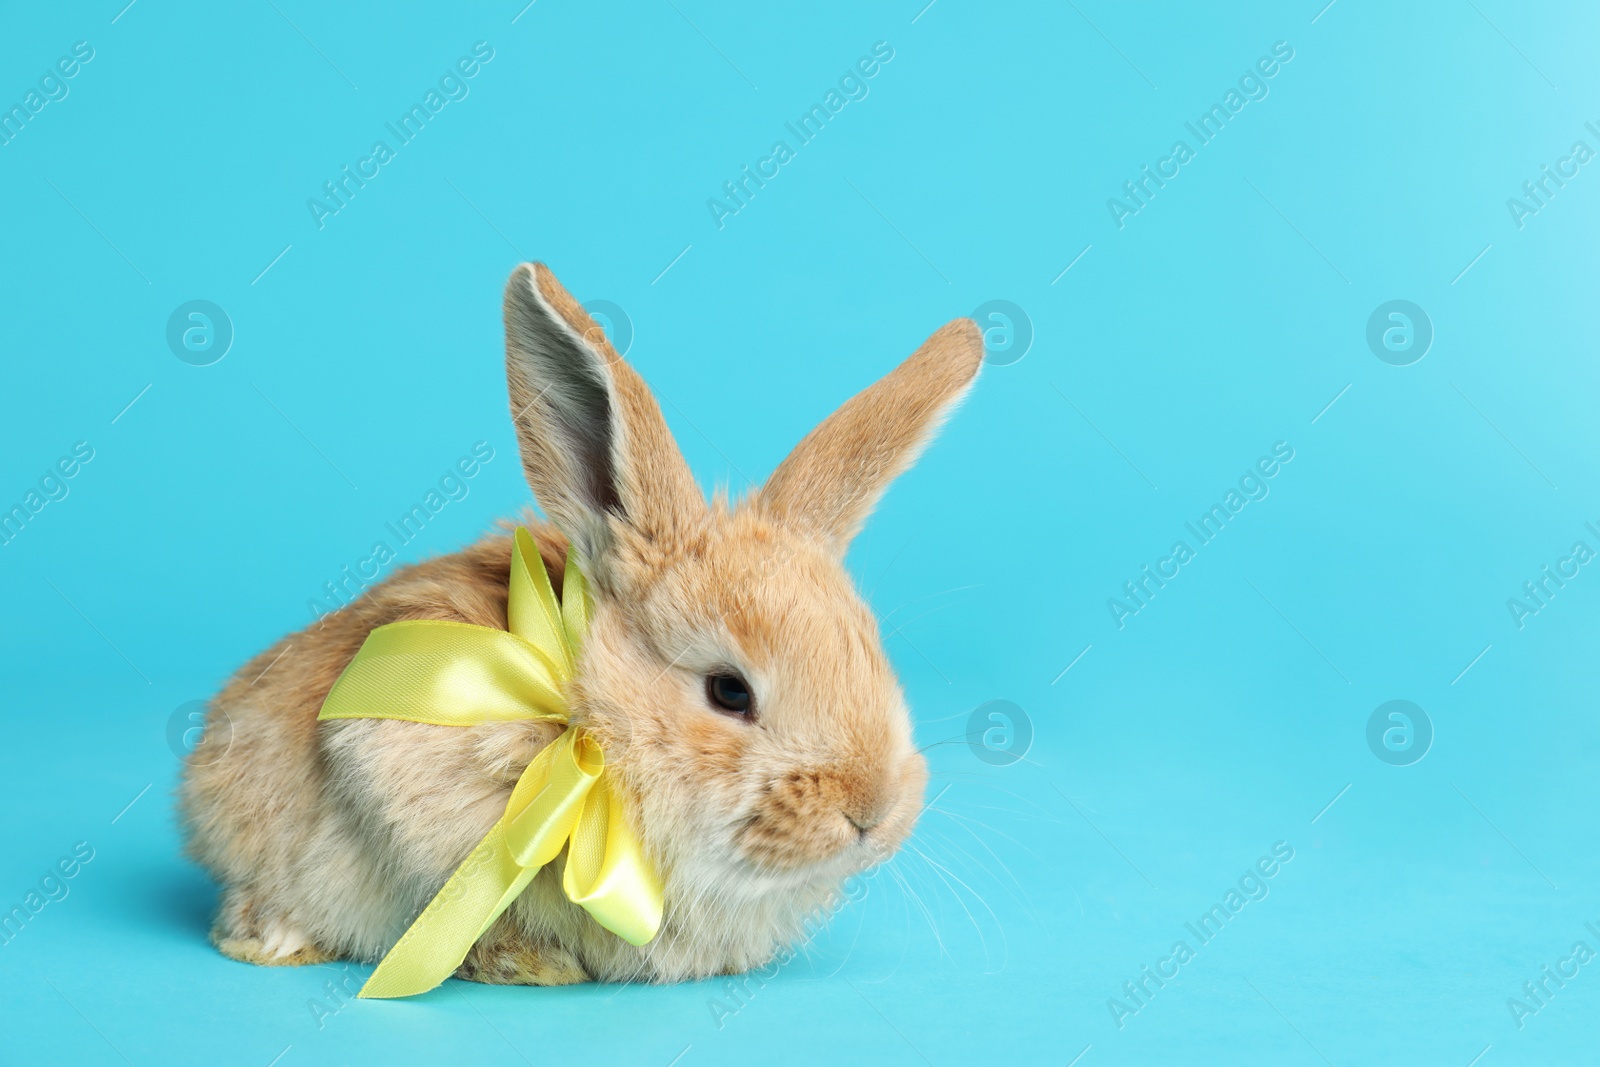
(512, 961)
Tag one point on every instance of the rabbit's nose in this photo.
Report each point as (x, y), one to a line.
(864, 822)
(862, 791)
(866, 808)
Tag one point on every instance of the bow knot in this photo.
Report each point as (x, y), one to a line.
(454, 674)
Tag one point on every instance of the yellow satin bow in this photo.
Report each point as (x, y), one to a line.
(453, 674)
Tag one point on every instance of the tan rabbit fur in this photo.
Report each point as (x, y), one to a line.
(330, 837)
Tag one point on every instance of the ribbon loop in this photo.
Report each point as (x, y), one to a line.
(607, 873)
(453, 674)
(537, 833)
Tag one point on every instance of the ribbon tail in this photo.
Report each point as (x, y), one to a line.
(545, 805)
(435, 945)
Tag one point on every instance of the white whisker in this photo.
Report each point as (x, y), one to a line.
(946, 873)
(963, 819)
(930, 596)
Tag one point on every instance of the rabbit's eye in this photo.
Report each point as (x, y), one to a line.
(730, 693)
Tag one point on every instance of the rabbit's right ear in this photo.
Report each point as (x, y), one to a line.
(595, 448)
(830, 482)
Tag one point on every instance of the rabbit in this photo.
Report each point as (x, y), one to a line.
(732, 674)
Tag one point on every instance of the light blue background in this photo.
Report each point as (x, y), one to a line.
(1224, 317)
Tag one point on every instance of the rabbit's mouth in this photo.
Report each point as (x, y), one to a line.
(830, 822)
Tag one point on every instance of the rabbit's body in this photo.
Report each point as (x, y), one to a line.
(336, 864)
(757, 737)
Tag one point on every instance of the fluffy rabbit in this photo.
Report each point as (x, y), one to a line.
(733, 676)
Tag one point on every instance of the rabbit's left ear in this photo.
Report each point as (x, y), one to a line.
(834, 477)
(595, 448)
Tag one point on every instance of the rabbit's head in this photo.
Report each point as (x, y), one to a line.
(732, 674)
